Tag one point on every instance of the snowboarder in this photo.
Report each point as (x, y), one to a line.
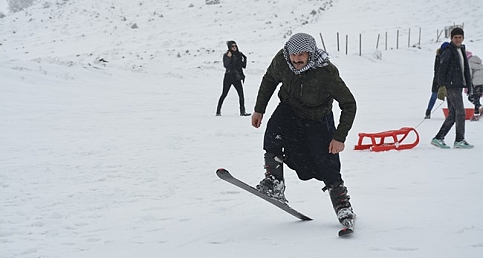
(301, 131)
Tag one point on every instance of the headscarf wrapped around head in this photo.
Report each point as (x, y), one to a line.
(303, 42)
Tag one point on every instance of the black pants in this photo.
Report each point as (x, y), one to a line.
(304, 144)
(227, 82)
(475, 98)
(456, 115)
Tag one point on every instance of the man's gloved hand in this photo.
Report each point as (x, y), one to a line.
(442, 93)
(470, 91)
(472, 98)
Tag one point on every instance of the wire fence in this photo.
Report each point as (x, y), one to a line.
(389, 40)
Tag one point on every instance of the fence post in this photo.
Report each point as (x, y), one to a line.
(346, 44)
(322, 39)
(377, 42)
(338, 48)
(360, 44)
(386, 41)
(419, 40)
(409, 38)
(397, 40)
(438, 35)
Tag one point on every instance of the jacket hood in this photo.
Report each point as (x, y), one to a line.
(231, 42)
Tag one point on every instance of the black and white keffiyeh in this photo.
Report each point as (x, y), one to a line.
(303, 42)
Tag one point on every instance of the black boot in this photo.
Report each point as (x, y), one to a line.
(273, 165)
(243, 113)
(428, 114)
(273, 184)
(340, 201)
(476, 115)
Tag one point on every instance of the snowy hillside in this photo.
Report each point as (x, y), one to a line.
(135, 33)
(109, 143)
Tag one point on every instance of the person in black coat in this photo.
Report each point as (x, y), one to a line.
(234, 61)
(434, 87)
(453, 76)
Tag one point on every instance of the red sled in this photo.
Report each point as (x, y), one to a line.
(378, 140)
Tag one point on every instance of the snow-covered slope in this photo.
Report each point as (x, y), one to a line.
(118, 158)
(135, 33)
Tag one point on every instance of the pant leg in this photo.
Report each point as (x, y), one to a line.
(283, 138)
(432, 100)
(226, 87)
(318, 136)
(273, 141)
(241, 98)
(456, 115)
(434, 94)
(477, 94)
(296, 151)
(460, 113)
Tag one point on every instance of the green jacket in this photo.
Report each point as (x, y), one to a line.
(310, 94)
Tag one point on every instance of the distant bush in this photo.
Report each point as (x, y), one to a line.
(18, 5)
(2, 15)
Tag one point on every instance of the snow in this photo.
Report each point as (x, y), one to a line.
(118, 158)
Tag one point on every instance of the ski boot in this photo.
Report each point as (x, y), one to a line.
(273, 184)
(340, 202)
(428, 114)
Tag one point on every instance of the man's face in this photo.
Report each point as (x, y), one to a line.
(457, 40)
(299, 60)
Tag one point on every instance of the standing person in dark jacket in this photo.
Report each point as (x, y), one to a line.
(301, 131)
(234, 61)
(453, 76)
(476, 70)
(434, 88)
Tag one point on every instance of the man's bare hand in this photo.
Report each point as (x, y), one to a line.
(257, 119)
(336, 147)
